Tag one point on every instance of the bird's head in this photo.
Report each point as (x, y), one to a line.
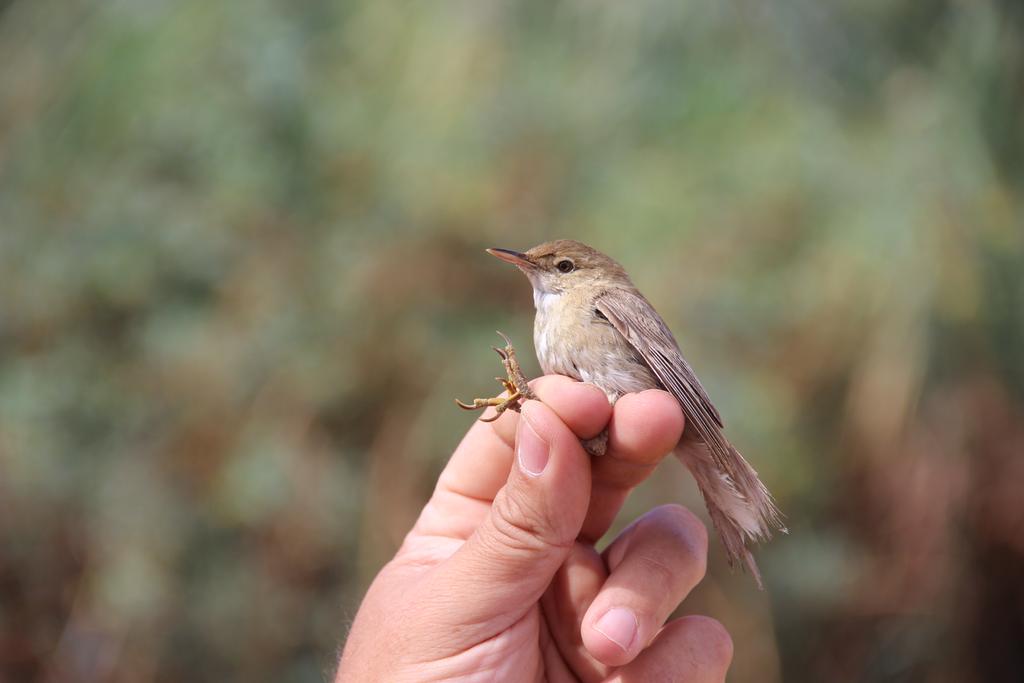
(565, 265)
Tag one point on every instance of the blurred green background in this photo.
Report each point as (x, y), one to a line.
(242, 278)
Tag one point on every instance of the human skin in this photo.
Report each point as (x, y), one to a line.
(499, 579)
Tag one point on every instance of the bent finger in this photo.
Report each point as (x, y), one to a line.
(653, 565)
(693, 649)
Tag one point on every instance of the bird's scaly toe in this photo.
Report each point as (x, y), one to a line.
(517, 389)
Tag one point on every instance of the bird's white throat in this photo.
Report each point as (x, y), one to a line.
(546, 319)
(543, 301)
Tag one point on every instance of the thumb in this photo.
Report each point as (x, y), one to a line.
(533, 522)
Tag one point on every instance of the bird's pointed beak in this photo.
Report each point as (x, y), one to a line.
(516, 258)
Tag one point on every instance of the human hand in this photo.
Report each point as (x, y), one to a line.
(499, 578)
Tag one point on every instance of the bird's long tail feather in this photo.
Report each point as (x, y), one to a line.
(741, 508)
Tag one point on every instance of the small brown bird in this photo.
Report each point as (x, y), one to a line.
(592, 324)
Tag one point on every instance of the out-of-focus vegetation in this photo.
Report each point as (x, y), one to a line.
(242, 277)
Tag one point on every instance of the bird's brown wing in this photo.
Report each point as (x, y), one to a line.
(636, 320)
(740, 506)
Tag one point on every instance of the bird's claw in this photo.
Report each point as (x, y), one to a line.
(500, 403)
(515, 385)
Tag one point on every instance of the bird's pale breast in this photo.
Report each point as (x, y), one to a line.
(571, 339)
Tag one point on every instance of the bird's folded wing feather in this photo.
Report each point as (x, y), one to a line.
(636, 320)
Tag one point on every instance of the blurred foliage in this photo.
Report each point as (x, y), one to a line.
(241, 279)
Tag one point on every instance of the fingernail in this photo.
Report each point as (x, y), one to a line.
(618, 625)
(531, 450)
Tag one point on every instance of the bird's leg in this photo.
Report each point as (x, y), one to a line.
(598, 445)
(518, 390)
(516, 387)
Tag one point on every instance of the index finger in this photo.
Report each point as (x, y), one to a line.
(644, 428)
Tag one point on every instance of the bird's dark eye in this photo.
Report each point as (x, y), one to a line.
(565, 266)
